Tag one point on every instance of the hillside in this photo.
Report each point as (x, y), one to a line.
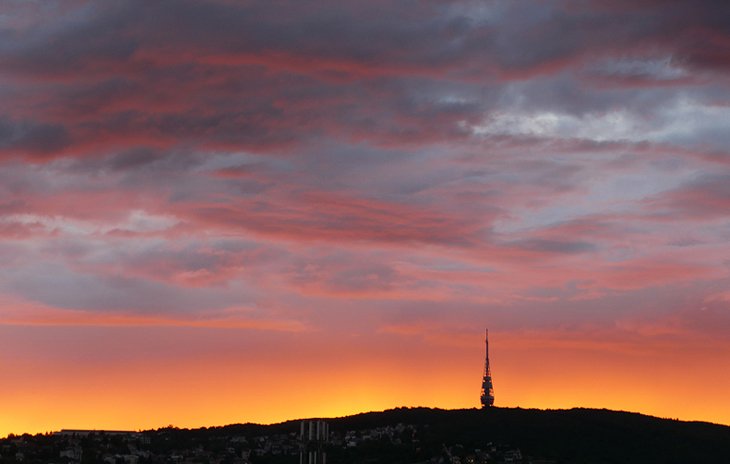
(566, 436)
(403, 435)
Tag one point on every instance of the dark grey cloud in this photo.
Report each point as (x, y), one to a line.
(36, 138)
(554, 246)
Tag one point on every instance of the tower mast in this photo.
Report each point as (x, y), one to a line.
(487, 397)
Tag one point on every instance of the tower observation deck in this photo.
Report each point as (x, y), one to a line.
(487, 397)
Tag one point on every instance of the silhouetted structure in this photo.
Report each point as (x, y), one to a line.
(487, 397)
(85, 433)
(313, 435)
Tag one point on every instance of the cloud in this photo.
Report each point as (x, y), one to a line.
(554, 246)
(706, 196)
(35, 138)
(419, 162)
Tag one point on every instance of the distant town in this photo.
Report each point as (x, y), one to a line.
(248, 444)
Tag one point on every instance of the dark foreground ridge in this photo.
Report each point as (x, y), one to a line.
(403, 435)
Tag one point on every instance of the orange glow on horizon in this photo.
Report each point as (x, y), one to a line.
(226, 383)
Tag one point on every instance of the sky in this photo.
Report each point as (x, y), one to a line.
(223, 211)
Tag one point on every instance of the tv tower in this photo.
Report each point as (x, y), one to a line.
(487, 397)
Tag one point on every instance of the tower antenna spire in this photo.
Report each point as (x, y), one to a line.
(487, 397)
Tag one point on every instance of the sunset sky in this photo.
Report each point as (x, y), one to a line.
(226, 211)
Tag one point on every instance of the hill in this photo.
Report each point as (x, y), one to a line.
(564, 436)
(403, 435)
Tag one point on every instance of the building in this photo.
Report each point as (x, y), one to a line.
(85, 433)
(313, 437)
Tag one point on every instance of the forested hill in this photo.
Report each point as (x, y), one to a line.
(400, 436)
(571, 436)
